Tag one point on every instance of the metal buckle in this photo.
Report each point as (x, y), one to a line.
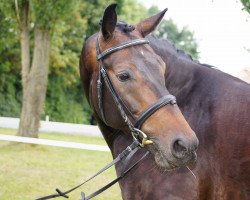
(145, 141)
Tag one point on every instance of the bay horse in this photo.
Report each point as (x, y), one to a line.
(212, 105)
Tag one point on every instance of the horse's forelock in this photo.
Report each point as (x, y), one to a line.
(124, 27)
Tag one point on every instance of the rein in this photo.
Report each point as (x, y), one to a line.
(124, 157)
(139, 137)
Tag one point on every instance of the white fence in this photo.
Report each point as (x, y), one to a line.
(54, 143)
(58, 127)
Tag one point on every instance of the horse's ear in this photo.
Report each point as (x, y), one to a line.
(109, 21)
(148, 25)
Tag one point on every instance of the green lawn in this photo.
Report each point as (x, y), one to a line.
(31, 171)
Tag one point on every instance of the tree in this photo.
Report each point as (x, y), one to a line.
(246, 4)
(64, 99)
(131, 11)
(183, 39)
(42, 16)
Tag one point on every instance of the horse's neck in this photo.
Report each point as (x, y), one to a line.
(189, 81)
(182, 73)
(181, 78)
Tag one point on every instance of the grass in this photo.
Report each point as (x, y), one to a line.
(31, 171)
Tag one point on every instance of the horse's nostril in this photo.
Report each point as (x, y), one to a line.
(179, 148)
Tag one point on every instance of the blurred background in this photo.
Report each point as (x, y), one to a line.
(40, 46)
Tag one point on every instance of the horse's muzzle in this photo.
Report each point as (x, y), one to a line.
(179, 153)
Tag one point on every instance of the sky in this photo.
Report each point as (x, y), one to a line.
(220, 27)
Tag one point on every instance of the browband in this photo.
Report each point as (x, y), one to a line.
(122, 46)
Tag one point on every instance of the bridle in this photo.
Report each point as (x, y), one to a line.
(103, 75)
(139, 137)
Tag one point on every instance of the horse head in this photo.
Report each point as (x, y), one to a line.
(137, 75)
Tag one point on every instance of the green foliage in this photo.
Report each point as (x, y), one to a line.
(65, 97)
(91, 11)
(246, 4)
(10, 86)
(66, 103)
(182, 39)
(47, 12)
(132, 11)
(153, 10)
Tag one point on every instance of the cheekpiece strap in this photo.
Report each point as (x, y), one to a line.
(104, 76)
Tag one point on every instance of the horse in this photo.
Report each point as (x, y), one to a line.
(212, 106)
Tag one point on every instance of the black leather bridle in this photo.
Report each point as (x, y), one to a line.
(103, 75)
(140, 138)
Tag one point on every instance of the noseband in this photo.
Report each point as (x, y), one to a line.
(134, 128)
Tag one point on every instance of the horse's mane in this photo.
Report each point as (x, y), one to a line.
(123, 26)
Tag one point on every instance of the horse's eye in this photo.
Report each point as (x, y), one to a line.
(123, 76)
